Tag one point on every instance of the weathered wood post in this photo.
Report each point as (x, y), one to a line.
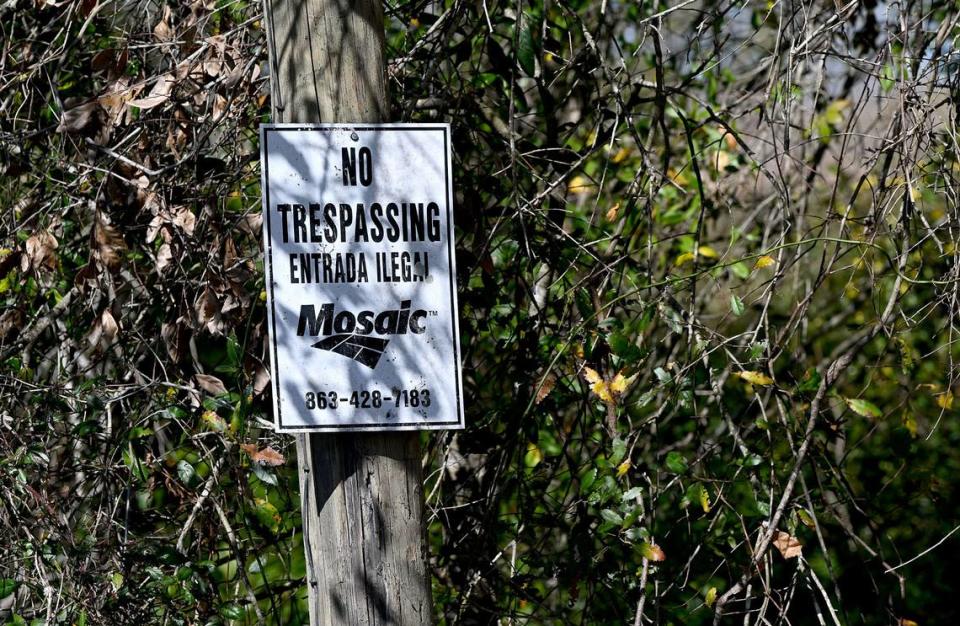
(362, 494)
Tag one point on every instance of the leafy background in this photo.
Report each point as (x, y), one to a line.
(708, 282)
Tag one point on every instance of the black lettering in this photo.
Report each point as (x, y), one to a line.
(315, 223)
(393, 231)
(346, 219)
(386, 323)
(349, 167)
(366, 167)
(344, 322)
(299, 223)
(404, 315)
(365, 323)
(376, 231)
(415, 326)
(433, 223)
(284, 210)
(360, 232)
(416, 222)
(327, 268)
(310, 324)
(293, 269)
(330, 232)
(304, 268)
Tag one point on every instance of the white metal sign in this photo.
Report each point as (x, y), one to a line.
(358, 231)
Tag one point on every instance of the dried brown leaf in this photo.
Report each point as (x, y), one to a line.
(207, 308)
(545, 388)
(184, 219)
(267, 456)
(164, 257)
(211, 384)
(788, 545)
(40, 252)
(159, 94)
(162, 31)
(108, 243)
(10, 320)
(175, 339)
(261, 380)
(104, 331)
(87, 119)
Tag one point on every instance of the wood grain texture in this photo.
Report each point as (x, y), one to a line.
(362, 494)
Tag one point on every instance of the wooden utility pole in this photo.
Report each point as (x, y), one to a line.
(362, 494)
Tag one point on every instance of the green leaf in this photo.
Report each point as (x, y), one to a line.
(740, 270)
(810, 381)
(526, 52)
(298, 560)
(676, 462)
(7, 586)
(231, 611)
(611, 516)
(736, 305)
(619, 451)
(624, 347)
(863, 407)
(268, 515)
(587, 479)
(264, 474)
(186, 472)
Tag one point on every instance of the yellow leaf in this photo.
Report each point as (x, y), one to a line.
(533, 456)
(591, 375)
(914, 194)
(707, 252)
(619, 384)
(214, 421)
(652, 552)
(945, 400)
(602, 390)
(764, 261)
(704, 500)
(805, 518)
(711, 597)
(579, 185)
(686, 257)
(910, 423)
(755, 378)
(621, 155)
(612, 212)
(788, 545)
(907, 622)
(623, 468)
